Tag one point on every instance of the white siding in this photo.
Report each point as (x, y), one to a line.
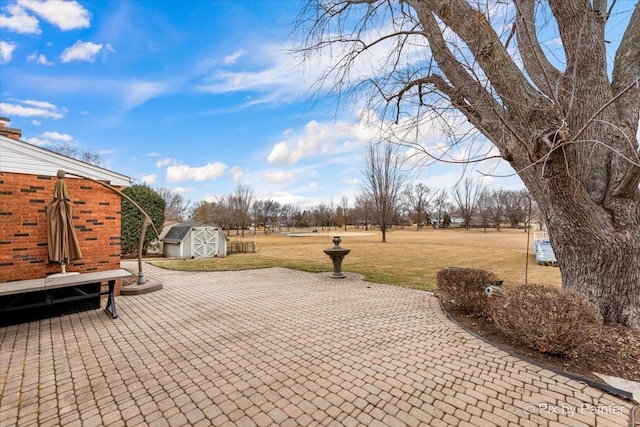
(21, 157)
(172, 250)
(186, 245)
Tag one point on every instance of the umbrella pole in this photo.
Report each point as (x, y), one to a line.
(145, 223)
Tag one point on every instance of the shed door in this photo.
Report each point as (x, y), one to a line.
(203, 241)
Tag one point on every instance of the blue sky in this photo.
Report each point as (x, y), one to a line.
(197, 96)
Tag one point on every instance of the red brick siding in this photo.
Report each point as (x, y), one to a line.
(23, 230)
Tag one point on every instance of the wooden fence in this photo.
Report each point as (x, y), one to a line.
(235, 247)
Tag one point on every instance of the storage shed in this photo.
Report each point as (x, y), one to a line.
(195, 239)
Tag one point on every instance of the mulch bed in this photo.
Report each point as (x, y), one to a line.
(614, 351)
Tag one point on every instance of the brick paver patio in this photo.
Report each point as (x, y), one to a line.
(278, 347)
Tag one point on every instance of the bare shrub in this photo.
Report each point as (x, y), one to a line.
(549, 320)
(464, 289)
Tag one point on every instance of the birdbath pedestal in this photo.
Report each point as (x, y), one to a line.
(337, 254)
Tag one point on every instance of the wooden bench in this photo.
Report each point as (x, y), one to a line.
(27, 294)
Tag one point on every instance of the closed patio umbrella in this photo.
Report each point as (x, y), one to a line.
(62, 242)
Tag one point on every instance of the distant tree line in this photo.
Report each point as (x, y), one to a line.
(416, 204)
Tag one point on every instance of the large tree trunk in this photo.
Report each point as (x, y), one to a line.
(595, 231)
(609, 273)
(599, 258)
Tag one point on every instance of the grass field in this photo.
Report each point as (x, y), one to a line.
(409, 258)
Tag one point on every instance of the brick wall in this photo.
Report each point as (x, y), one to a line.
(23, 230)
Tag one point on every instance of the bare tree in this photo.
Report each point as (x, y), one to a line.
(69, 150)
(321, 215)
(287, 213)
(176, 207)
(560, 115)
(441, 209)
(484, 208)
(515, 210)
(362, 211)
(466, 196)
(383, 182)
(270, 214)
(498, 207)
(211, 212)
(418, 197)
(257, 209)
(224, 212)
(200, 211)
(242, 199)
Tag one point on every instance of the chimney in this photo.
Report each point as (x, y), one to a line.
(7, 131)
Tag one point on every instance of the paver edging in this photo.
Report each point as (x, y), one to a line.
(623, 394)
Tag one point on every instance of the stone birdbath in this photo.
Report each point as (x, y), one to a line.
(337, 254)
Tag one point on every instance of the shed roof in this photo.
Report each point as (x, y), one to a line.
(178, 232)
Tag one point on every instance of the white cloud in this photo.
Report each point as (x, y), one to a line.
(275, 81)
(81, 51)
(6, 51)
(39, 104)
(275, 76)
(37, 141)
(486, 180)
(286, 198)
(236, 173)
(164, 162)
(315, 138)
(139, 92)
(39, 59)
(232, 58)
(22, 111)
(351, 181)
(320, 138)
(280, 177)
(36, 122)
(181, 190)
(149, 179)
(281, 154)
(153, 154)
(51, 138)
(281, 77)
(66, 15)
(19, 21)
(128, 93)
(210, 171)
(57, 136)
(310, 186)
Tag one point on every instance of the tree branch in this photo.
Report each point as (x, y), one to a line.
(543, 74)
(517, 94)
(464, 92)
(626, 70)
